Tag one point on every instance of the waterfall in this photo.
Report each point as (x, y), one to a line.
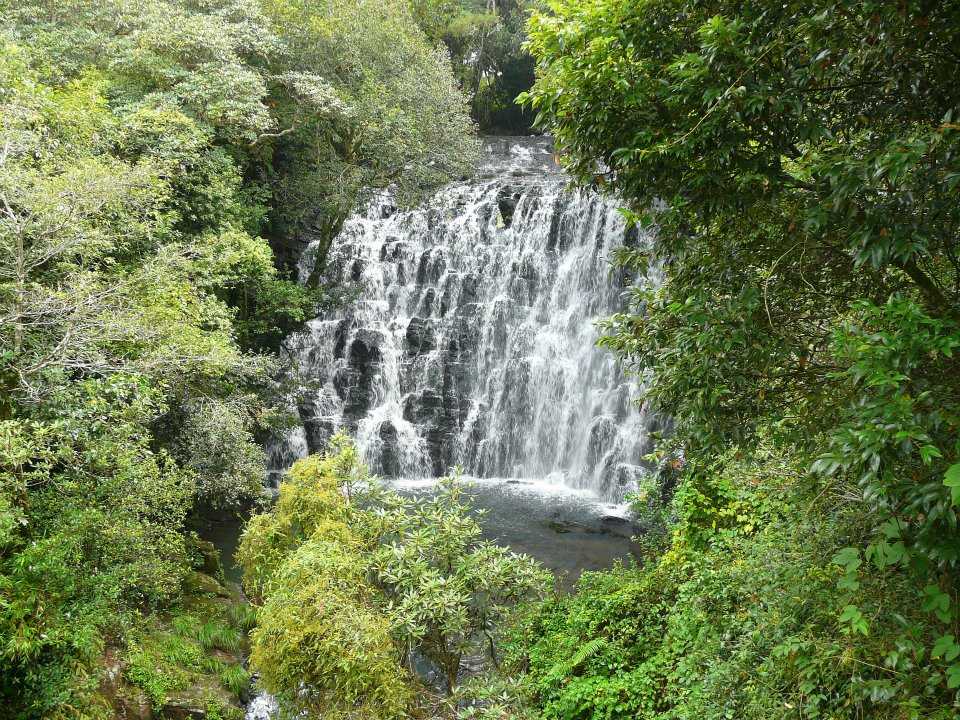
(471, 341)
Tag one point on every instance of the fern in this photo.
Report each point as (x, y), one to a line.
(587, 650)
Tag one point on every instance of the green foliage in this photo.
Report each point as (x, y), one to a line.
(235, 679)
(898, 361)
(165, 657)
(216, 710)
(311, 502)
(145, 151)
(445, 588)
(352, 578)
(752, 620)
(216, 445)
(319, 629)
(362, 101)
(317, 625)
(799, 163)
(485, 42)
(100, 535)
(242, 616)
(495, 697)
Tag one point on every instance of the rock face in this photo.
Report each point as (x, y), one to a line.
(194, 703)
(472, 338)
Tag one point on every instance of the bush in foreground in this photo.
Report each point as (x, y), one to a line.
(353, 579)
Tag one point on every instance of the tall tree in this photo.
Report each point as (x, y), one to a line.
(800, 164)
(141, 163)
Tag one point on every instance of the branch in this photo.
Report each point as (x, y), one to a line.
(936, 300)
(273, 135)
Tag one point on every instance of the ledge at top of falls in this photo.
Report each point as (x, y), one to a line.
(471, 339)
(517, 156)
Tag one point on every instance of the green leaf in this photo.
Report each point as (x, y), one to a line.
(945, 647)
(854, 618)
(952, 480)
(891, 529)
(953, 676)
(928, 453)
(848, 557)
(937, 602)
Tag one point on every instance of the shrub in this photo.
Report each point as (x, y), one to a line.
(352, 578)
(747, 614)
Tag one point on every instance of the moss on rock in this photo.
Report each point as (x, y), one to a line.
(188, 663)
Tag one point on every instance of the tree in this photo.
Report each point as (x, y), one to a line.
(341, 561)
(485, 40)
(446, 590)
(93, 522)
(364, 102)
(799, 163)
(320, 643)
(140, 303)
(807, 156)
(103, 333)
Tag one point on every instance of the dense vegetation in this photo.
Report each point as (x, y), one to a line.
(354, 581)
(485, 39)
(147, 152)
(801, 162)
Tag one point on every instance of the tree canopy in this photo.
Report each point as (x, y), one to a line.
(485, 39)
(353, 580)
(800, 165)
(150, 153)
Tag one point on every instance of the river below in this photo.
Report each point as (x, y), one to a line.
(566, 529)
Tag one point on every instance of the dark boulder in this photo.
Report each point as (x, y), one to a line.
(420, 336)
(507, 200)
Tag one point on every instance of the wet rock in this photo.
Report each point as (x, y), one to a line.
(356, 271)
(620, 526)
(207, 557)
(365, 349)
(196, 701)
(420, 336)
(340, 340)
(198, 583)
(507, 200)
(553, 236)
(354, 382)
(426, 303)
(602, 431)
(567, 526)
(389, 464)
(469, 291)
(318, 432)
(431, 267)
(133, 704)
(128, 702)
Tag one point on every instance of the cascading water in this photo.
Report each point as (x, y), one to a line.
(471, 341)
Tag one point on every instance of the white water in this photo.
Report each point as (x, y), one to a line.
(472, 340)
(262, 707)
